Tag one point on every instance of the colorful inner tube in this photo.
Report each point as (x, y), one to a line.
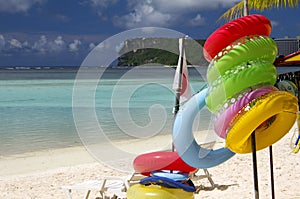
(186, 185)
(174, 175)
(253, 48)
(139, 191)
(157, 161)
(270, 116)
(223, 120)
(243, 57)
(184, 141)
(289, 86)
(232, 83)
(234, 30)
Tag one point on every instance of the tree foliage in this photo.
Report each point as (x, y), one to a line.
(135, 53)
(258, 5)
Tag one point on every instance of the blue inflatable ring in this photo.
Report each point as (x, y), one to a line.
(169, 183)
(174, 176)
(184, 141)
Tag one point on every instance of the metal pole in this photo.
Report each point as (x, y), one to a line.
(255, 175)
(272, 172)
(246, 8)
(178, 90)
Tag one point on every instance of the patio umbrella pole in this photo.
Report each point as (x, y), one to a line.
(254, 165)
(272, 171)
(178, 90)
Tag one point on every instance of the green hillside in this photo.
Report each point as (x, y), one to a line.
(159, 51)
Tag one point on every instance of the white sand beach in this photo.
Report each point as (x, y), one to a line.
(41, 174)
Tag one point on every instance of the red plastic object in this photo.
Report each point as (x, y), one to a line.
(156, 161)
(228, 33)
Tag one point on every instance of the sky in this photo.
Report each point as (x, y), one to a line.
(63, 32)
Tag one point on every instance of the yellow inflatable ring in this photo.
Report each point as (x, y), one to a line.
(270, 116)
(251, 48)
(139, 191)
(231, 84)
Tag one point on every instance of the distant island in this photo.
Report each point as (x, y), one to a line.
(149, 51)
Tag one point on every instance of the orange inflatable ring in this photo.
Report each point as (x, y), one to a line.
(157, 161)
(271, 116)
(234, 30)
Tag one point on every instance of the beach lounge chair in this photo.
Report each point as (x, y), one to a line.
(133, 179)
(109, 187)
(195, 177)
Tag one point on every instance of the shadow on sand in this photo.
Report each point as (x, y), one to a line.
(216, 186)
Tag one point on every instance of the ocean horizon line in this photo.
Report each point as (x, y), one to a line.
(77, 67)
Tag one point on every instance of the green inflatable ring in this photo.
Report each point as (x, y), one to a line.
(253, 48)
(231, 84)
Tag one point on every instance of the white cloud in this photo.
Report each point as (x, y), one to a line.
(15, 44)
(74, 47)
(143, 15)
(26, 47)
(92, 46)
(148, 30)
(14, 6)
(2, 42)
(119, 47)
(191, 5)
(102, 3)
(274, 23)
(41, 44)
(197, 21)
(166, 13)
(58, 41)
(57, 45)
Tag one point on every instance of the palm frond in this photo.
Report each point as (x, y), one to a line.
(262, 5)
(258, 5)
(234, 12)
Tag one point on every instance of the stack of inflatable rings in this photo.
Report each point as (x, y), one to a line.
(240, 79)
(158, 182)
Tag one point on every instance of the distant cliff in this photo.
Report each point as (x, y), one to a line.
(159, 51)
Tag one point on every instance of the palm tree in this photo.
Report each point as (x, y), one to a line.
(244, 6)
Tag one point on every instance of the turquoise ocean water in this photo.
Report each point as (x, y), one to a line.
(36, 104)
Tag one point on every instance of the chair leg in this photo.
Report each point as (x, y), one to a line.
(87, 194)
(68, 193)
(209, 178)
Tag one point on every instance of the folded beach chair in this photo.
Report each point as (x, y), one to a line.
(136, 177)
(109, 187)
(195, 177)
(133, 179)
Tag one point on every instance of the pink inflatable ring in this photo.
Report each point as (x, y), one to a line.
(228, 115)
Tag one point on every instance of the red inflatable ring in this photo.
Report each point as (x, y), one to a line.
(156, 161)
(228, 33)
